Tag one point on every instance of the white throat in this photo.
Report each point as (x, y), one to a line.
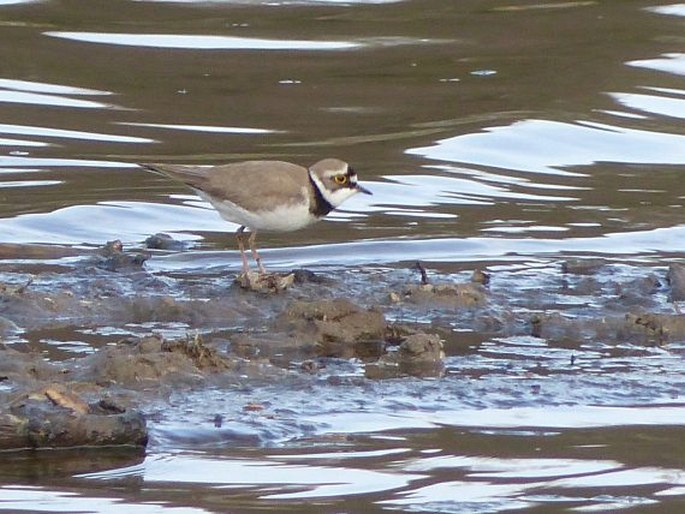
(335, 198)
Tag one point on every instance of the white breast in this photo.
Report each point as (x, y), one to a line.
(285, 218)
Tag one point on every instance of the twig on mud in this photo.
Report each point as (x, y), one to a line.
(422, 270)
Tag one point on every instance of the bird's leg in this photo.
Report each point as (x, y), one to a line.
(239, 235)
(255, 254)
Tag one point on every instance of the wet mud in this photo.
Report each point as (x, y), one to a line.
(93, 342)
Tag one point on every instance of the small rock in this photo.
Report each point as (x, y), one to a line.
(309, 366)
(339, 328)
(109, 406)
(676, 278)
(536, 325)
(111, 257)
(480, 277)
(582, 266)
(304, 276)
(658, 328)
(162, 241)
(419, 355)
(638, 292)
(150, 362)
(421, 348)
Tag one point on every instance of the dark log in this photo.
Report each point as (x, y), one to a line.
(55, 418)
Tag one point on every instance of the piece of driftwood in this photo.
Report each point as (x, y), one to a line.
(53, 417)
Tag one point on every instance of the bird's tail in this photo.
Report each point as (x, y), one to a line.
(190, 175)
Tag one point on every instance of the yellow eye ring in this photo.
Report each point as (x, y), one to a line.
(340, 179)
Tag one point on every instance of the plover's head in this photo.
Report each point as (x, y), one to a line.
(336, 180)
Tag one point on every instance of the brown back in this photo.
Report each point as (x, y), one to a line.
(250, 184)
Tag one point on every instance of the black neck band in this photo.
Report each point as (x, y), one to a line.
(319, 206)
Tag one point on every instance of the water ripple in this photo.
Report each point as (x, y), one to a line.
(670, 63)
(201, 42)
(552, 147)
(202, 128)
(41, 93)
(33, 130)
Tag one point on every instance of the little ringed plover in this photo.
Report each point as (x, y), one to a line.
(272, 196)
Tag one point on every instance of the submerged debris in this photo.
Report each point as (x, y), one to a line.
(111, 257)
(7, 290)
(469, 294)
(264, 282)
(418, 354)
(582, 266)
(455, 295)
(149, 362)
(307, 333)
(202, 356)
(337, 328)
(334, 329)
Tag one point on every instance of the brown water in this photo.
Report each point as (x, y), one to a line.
(493, 133)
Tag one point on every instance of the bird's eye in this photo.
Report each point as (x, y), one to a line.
(340, 179)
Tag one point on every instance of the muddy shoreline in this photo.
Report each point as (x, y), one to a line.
(143, 335)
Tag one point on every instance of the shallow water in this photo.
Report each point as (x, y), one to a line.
(496, 134)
